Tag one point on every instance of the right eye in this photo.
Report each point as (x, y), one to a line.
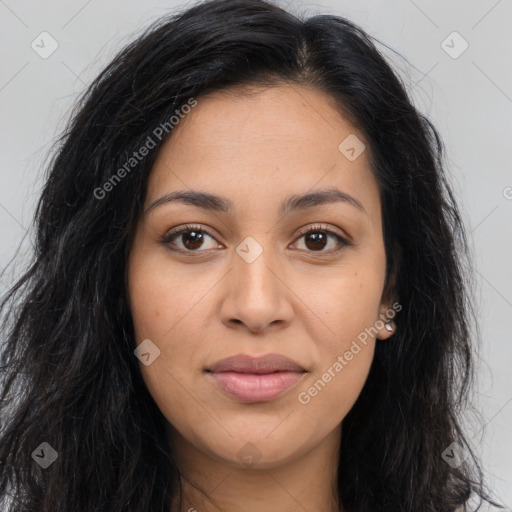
(191, 237)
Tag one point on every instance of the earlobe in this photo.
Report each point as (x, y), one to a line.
(387, 328)
(385, 324)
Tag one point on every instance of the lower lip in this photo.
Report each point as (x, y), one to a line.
(253, 387)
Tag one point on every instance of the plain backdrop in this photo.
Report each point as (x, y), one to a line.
(456, 62)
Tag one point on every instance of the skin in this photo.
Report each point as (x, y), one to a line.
(299, 298)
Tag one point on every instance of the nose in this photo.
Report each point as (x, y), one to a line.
(256, 296)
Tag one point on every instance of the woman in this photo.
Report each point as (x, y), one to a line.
(250, 285)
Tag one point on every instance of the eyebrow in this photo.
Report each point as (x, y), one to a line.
(212, 202)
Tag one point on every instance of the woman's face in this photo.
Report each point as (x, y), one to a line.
(249, 281)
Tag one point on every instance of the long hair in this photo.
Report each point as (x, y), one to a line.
(71, 384)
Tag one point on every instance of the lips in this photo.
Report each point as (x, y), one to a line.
(251, 380)
(246, 364)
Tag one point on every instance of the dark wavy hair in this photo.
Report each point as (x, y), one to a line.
(69, 374)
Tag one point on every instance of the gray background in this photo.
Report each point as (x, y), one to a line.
(469, 99)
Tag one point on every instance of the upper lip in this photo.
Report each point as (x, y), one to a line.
(244, 363)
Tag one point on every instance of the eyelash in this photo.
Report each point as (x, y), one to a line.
(167, 239)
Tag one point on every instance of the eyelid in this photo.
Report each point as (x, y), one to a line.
(327, 229)
(183, 229)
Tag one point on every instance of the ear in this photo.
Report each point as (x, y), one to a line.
(390, 304)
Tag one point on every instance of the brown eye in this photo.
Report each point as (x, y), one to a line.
(189, 239)
(317, 238)
(192, 239)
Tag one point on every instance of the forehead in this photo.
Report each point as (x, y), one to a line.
(263, 144)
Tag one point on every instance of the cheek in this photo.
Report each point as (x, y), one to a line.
(159, 296)
(162, 307)
(329, 395)
(345, 356)
(351, 305)
(333, 388)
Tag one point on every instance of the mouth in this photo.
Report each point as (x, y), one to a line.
(252, 380)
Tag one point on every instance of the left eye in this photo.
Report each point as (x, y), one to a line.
(316, 239)
(192, 239)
